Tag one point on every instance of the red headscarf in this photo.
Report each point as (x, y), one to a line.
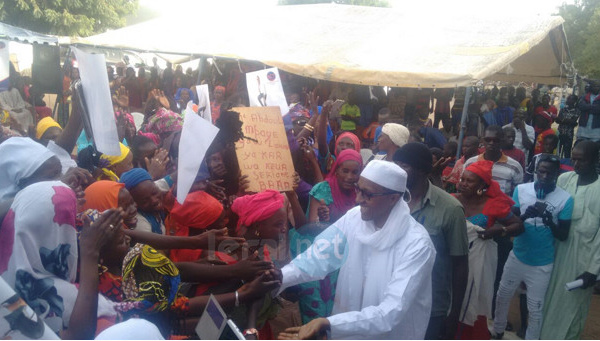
(498, 204)
(257, 207)
(102, 195)
(342, 202)
(199, 210)
(352, 137)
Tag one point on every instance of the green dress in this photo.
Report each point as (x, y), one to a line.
(316, 298)
(565, 312)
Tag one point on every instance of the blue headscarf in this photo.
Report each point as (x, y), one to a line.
(189, 91)
(133, 177)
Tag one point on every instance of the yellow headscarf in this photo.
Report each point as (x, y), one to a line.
(113, 160)
(45, 124)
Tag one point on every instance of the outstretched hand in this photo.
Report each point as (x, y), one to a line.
(157, 164)
(217, 240)
(312, 330)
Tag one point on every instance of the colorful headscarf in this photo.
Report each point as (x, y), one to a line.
(352, 137)
(151, 136)
(498, 204)
(199, 210)
(43, 252)
(102, 195)
(45, 124)
(113, 160)
(20, 157)
(258, 207)
(150, 281)
(164, 121)
(342, 202)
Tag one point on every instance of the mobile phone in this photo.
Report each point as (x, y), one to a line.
(541, 206)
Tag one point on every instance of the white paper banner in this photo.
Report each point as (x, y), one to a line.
(4, 62)
(92, 70)
(204, 102)
(265, 90)
(196, 137)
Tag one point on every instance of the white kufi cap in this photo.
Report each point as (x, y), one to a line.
(386, 174)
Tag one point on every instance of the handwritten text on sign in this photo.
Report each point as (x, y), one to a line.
(267, 163)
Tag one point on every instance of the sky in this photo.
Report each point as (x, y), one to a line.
(471, 7)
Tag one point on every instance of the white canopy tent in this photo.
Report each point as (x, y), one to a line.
(362, 45)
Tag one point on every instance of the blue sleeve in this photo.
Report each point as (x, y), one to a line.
(567, 211)
(515, 198)
(377, 133)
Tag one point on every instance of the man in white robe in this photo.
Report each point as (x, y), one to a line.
(385, 259)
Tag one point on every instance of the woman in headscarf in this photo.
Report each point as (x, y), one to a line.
(182, 97)
(163, 123)
(113, 166)
(485, 205)
(42, 266)
(24, 161)
(329, 201)
(47, 129)
(344, 141)
(199, 212)
(262, 222)
(393, 136)
(146, 283)
(103, 195)
(148, 198)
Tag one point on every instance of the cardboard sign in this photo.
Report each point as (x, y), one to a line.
(268, 162)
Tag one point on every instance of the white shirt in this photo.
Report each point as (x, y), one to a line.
(384, 285)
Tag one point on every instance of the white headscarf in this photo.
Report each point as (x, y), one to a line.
(43, 263)
(132, 329)
(398, 133)
(20, 157)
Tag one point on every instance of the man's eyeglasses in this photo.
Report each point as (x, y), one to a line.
(369, 195)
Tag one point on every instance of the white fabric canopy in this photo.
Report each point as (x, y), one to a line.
(363, 45)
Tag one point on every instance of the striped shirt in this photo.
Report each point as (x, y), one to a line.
(506, 171)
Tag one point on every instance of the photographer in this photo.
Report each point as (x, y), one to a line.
(546, 213)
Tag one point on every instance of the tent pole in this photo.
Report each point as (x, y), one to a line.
(61, 118)
(463, 120)
(200, 64)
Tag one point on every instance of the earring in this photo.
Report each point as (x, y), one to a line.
(480, 192)
(256, 233)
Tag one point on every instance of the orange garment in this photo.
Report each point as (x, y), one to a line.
(369, 132)
(102, 195)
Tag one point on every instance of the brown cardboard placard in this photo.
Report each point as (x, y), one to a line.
(268, 162)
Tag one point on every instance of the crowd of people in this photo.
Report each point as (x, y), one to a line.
(394, 229)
